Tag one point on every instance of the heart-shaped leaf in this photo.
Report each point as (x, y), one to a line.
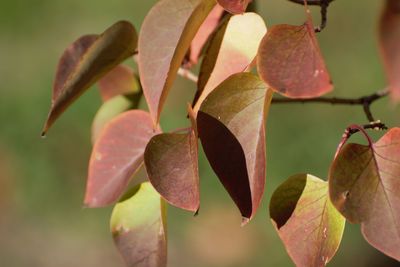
(86, 61)
(231, 125)
(204, 33)
(290, 62)
(116, 156)
(364, 185)
(234, 6)
(138, 225)
(231, 50)
(165, 37)
(119, 81)
(306, 221)
(389, 33)
(172, 166)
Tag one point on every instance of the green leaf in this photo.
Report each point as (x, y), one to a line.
(171, 161)
(231, 125)
(138, 225)
(116, 156)
(86, 61)
(290, 62)
(165, 37)
(232, 49)
(306, 221)
(364, 185)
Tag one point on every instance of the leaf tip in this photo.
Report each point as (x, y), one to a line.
(245, 221)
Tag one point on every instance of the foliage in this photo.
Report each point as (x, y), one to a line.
(242, 66)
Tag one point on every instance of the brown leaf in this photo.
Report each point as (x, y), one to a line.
(232, 49)
(389, 37)
(308, 224)
(172, 166)
(231, 124)
(119, 81)
(364, 186)
(204, 33)
(165, 37)
(86, 61)
(116, 156)
(234, 6)
(138, 225)
(290, 62)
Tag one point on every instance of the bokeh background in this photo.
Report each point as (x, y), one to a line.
(42, 181)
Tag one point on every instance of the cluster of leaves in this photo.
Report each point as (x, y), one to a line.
(228, 115)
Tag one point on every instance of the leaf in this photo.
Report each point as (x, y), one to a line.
(119, 81)
(116, 156)
(364, 185)
(204, 33)
(171, 161)
(306, 221)
(389, 37)
(234, 6)
(231, 125)
(231, 50)
(112, 108)
(166, 34)
(86, 61)
(290, 62)
(138, 225)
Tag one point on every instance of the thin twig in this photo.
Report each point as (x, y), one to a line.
(185, 73)
(365, 101)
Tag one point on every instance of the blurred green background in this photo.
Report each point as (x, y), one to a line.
(42, 181)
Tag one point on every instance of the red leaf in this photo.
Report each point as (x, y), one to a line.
(165, 37)
(119, 81)
(203, 34)
(290, 62)
(364, 186)
(86, 61)
(234, 6)
(172, 166)
(116, 156)
(389, 33)
(231, 124)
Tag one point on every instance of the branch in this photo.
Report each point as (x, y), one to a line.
(365, 101)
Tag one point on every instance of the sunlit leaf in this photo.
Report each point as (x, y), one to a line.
(116, 156)
(231, 50)
(306, 221)
(234, 6)
(172, 166)
(204, 33)
(86, 61)
(231, 124)
(289, 61)
(389, 33)
(138, 225)
(119, 81)
(112, 108)
(165, 36)
(364, 186)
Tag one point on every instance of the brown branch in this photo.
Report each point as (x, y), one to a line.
(365, 101)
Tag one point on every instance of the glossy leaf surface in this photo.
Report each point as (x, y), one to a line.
(119, 81)
(309, 225)
(138, 225)
(231, 124)
(232, 49)
(116, 156)
(290, 62)
(204, 33)
(86, 61)
(389, 33)
(364, 186)
(234, 6)
(172, 166)
(165, 37)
